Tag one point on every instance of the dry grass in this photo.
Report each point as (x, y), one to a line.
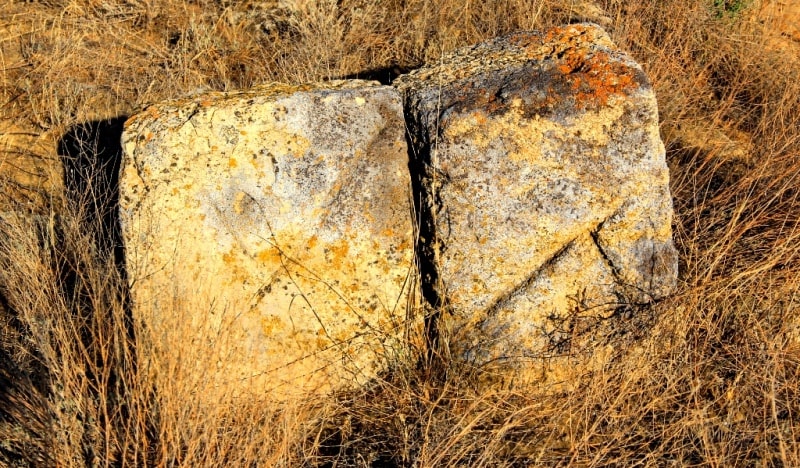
(710, 377)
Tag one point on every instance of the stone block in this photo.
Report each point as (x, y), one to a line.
(268, 235)
(543, 186)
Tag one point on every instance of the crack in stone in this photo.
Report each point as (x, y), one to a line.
(427, 205)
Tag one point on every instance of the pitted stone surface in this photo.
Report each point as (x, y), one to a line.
(268, 232)
(544, 188)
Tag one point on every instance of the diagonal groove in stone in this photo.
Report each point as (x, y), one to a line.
(498, 303)
(595, 234)
(644, 292)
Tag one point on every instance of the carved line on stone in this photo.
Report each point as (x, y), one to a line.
(615, 270)
(622, 299)
(595, 234)
(520, 288)
(495, 306)
(555, 343)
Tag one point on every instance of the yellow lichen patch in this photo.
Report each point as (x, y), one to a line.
(466, 126)
(312, 242)
(229, 258)
(239, 201)
(256, 163)
(337, 253)
(271, 324)
(322, 340)
(509, 126)
(270, 256)
(283, 142)
(479, 117)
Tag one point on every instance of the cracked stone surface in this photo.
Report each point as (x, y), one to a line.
(544, 189)
(268, 234)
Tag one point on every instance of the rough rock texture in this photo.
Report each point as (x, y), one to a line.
(544, 189)
(268, 233)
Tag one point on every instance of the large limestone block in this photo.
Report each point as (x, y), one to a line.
(268, 234)
(544, 189)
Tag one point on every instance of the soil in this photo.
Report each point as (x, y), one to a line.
(781, 19)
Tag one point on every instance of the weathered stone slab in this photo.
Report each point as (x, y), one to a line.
(544, 189)
(268, 233)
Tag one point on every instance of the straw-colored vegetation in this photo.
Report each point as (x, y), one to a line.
(709, 377)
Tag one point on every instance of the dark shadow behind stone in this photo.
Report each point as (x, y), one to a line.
(383, 75)
(91, 154)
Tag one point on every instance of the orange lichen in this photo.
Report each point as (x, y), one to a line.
(480, 117)
(130, 121)
(153, 111)
(595, 78)
(591, 74)
(564, 33)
